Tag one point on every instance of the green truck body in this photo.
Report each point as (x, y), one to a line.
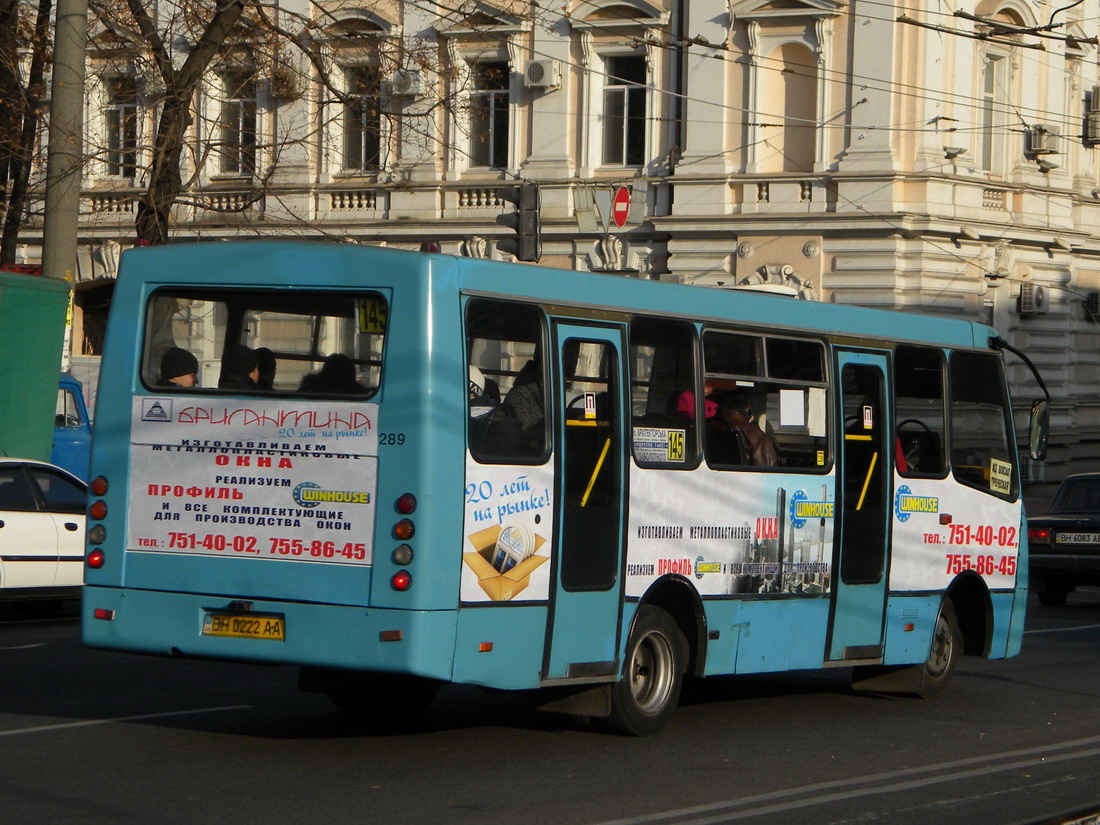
(33, 310)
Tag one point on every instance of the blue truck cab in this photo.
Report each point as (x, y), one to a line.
(72, 435)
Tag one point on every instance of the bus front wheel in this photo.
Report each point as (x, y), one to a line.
(944, 654)
(643, 699)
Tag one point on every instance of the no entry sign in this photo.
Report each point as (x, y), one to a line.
(620, 207)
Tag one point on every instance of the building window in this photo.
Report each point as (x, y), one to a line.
(624, 116)
(238, 124)
(121, 120)
(489, 98)
(994, 78)
(362, 119)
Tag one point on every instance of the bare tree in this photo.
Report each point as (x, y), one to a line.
(22, 90)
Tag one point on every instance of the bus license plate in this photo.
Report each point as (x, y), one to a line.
(246, 626)
(1079, 538)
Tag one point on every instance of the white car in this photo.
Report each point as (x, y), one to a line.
(41, 530)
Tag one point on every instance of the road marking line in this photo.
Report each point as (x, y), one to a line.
(1064, 629)
(717, 812)
(141, 718)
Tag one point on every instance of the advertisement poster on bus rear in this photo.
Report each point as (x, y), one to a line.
(285, 480)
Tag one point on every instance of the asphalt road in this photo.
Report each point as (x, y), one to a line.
(98, 737)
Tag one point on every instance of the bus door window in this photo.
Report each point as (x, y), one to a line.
(864, 473)
(980, 453)
(506, 377)
(590, 465)
(663, 393)
(920, 441)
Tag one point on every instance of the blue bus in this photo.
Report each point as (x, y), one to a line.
(396, 470)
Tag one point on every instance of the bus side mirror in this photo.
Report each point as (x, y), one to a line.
(1038, 429)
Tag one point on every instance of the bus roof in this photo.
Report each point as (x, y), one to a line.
(289, 264)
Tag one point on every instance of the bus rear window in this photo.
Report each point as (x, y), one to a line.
(292, 342)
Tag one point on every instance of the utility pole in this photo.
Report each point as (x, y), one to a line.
(63, 157)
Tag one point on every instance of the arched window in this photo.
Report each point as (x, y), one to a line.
(352, 106)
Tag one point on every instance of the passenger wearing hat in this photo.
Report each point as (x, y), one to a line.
(266, 359)
(178, 367)
(240, 369)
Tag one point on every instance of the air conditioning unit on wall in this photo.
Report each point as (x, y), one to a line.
(542, 74)
(1032, 300)
(405, 83)
(1043, 139)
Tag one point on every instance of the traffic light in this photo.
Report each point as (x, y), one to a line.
(527, 244)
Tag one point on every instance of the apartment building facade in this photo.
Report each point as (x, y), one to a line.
(915, 157)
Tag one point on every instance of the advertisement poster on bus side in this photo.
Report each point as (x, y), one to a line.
(273, 479)
(765, 533)
(508, 533)
(943, 528)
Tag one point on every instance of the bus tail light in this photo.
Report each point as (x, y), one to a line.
(402, 580)
(96, 559)
(406, 504)
(404, 529)
(103, 613)
(402, 555)
(98, 510)
(97, 534)
(99, 486)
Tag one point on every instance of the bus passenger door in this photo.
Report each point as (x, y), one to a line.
(588, 393)
(863, 509)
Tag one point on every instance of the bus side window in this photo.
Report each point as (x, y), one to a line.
(919, 411)
(506, 380)
(980, 454)
(663, 392)
(771, 395)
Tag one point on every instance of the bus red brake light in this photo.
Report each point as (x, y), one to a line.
(99, 486)
(98, 510)
(96, 559)
(404, 529)
(402, 580)
(1038, 535)
(406, 504)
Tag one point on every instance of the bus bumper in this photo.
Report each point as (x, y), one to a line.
(323, 635)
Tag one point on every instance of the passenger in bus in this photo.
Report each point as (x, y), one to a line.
(739, 416)
(240, 369)
(178, 368)
(266, 359)
(482, 405)
(524, 402)
(481, 400)
(336, 376)
(686, 402)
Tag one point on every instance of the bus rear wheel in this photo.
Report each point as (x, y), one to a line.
(644, 698)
